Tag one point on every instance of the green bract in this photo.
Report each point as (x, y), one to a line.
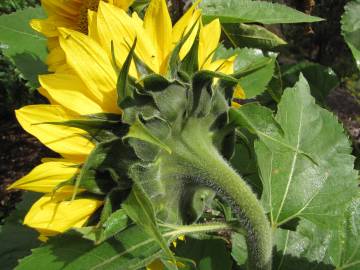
(178, 142)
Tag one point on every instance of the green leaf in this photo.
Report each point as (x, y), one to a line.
(302, 153)
(132, 249)
(207, 254)
(321, 79)
(25, 47)
(247, 11)
(253, 36)
(339, 247)
(139, 208)
(16, 239)
(254, 83)
(252, 68)
(350, 28)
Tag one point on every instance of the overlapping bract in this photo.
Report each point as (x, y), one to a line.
(86, 84)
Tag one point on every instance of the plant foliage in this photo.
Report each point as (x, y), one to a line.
(267, 185)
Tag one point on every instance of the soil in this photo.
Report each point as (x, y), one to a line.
(19, 154)
(347, 109)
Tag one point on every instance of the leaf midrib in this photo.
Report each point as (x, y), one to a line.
(293, 163)
(23, 32)
(177, 231)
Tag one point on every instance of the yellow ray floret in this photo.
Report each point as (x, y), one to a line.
(208, 42)
(47, 176)
(72, 14)
(92, 65)
(67, 141)
(55, 214)
(69, 91)
(157, 15)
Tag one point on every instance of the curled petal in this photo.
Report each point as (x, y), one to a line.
(51, 215)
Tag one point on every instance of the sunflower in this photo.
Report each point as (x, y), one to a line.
(72, 14)
(86, 85)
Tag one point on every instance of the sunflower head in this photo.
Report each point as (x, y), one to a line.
(168, 127)
(128, 91)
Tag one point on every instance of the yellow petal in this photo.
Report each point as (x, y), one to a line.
(183, 23)
(70, 92)
(157, 23)
(53, 42)
(235, 105)
(43, 238)
(55, 59)
(44, 93)
(183, 26)
(116, 25)
(158, 265)
(225, 66)
(195, 24)
(91, 63)
(51, 214)
(155, 265)
(48, 27)
(70, 9)
(208, 42)
(123, 4)
(137, 19)
(228, 66)
(92, 22)
(239, 92)
(45, 177)
(67, 141)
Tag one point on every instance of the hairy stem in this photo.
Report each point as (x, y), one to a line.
(248, 209)
(209, 168)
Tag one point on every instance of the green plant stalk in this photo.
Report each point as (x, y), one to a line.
(207, 167)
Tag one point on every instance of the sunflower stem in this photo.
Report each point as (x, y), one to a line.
(248, 210)
(209, 168)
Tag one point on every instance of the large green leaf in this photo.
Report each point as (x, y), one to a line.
(255, 83)
(350, 28)
(320, 78)
(303, 156)
(253, 36)
(24, 46)
(240, 11)
(16, 239)
(131, 249)
(339, 247)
